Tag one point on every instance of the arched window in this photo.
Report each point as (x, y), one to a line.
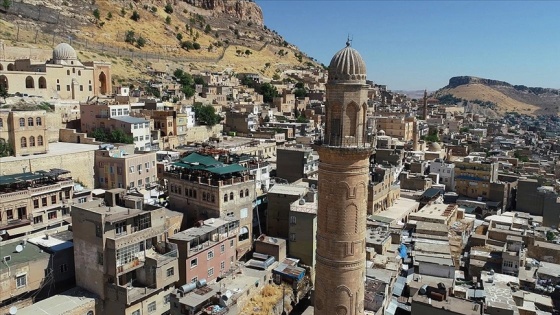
(79, 72)
(11, 67)
(22, 122)
(231, 196)
(1, 123)
(30, 121)
(67, 72)
(241, 193)
(73, 70)
(40, 141)
(31, 141)
(23, 142)
(42, 83)
(203, 196)
(29, 83)
(38, 121)
(4, 82)
(246, 192)
(225, 197)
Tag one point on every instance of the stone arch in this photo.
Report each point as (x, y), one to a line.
(29, 83)
(42, 83)
(349, 219)
(11, 67)
(334, 123)
(351, 119)
(31, 141)
(346, 187)
(344, 296)
(361, 189)
(102, 83)
(40, 141)
(23, 142)
(4, 82)
(170, 133)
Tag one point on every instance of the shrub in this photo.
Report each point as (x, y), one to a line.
(135, 16)
(168, 8)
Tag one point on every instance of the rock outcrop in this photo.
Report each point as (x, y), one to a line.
(463, 80)
(243, 10)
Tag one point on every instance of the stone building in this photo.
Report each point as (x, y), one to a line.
(34, 201)
(343, 188)
(124, 256)
(473, 177)
(397, 127)
(201, 187)
(62, 77)
(25, 132)
(294, 163)
(122, 168)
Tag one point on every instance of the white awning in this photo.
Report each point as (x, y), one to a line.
(19, 230)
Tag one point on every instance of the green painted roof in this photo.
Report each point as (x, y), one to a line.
(29, 253)
(195, 161)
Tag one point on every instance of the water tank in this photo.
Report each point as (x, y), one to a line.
(188, 287)
(200, 283)
(423, 289)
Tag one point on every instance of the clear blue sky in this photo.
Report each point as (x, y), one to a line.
(412, 45)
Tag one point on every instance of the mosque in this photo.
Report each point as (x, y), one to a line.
(63, 77)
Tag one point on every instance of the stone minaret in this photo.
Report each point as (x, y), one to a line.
(343, 185)
(425, 112)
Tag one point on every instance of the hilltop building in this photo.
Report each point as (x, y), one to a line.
(63, 77)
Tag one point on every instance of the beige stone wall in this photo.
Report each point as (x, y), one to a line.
(71, 136)
(202, 133)
(80, 164)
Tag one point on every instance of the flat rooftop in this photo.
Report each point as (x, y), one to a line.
(209, 225)
(456, 305)
(63, 303)
(434, 211)
(307, 207)
(112, 213)
(294, 190)
(400, 209)
(30, 252)
(55, 149)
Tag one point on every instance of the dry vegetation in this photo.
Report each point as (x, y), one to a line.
(486, 93)
(263, 303)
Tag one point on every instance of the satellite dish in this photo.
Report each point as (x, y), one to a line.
(19, 248)
(13, 310)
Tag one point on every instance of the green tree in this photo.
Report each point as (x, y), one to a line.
(118, 136)
(550, 236)
(168, 8)
(268, 92)
(300, 92)
(129, 37)
(6, 4)
(188, 45)
(135, 16)
(154, 9)
(248, 52)
(5, 149)
(123, 11)
(179, 36)
(207, 29)
(302, 119)
(109, 15)
(96, 14)
(196, 46)
(140, 42)
(3, 92)
(206, 114)
(276, 76)
(168, 20)
(100, 135)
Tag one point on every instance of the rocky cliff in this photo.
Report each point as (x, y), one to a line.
(243, 10)
(507, 97)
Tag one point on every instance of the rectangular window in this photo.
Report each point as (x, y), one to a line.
(58, 87)
(68, 88)
(38, 220)
(10, 214)
(139, 182)
(195, 279)
(63, 268)
(230, 243)
(210, 254)
(98, 231)
(36, 203)
(137, 312)
(222, 265)
(90, 89)
(222, 248)
(81, 88)
(152, 307)
(167, 299)
(170, 271)
(21, 281)
(131, 184)
(120, 228)
(132, 169)
(52, 215)
(100, 258)
(292, 219)
(53, 199)
(44, 201)
(210, 272)
(194, 262)
(293, 237)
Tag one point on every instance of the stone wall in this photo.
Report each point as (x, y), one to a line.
(80, 164)
(70, 135)
(202, 133)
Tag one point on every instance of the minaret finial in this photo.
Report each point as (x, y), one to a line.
(348, 41)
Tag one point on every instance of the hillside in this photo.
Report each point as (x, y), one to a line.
(504, 96)
(195, 35)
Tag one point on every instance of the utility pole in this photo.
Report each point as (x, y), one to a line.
(17, 36)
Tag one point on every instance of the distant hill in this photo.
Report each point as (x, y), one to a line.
(500, 96)
(134, 35)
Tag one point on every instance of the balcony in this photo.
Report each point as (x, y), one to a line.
(132, 292)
